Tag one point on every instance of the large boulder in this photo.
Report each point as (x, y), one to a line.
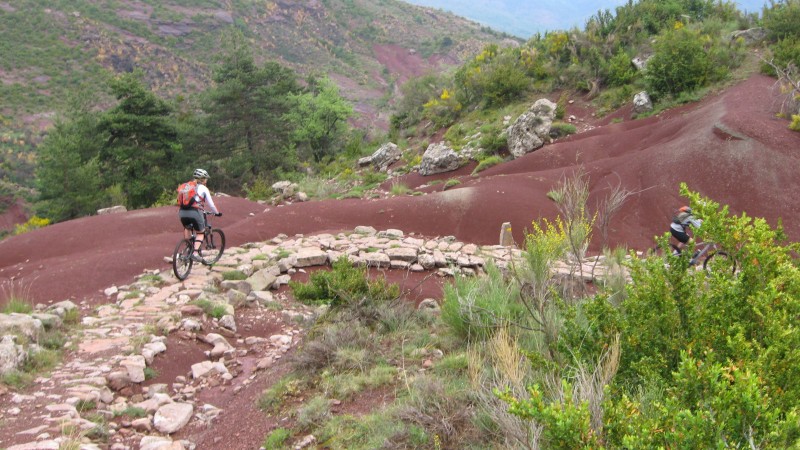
(642, 103)
(12, 355)
(284, 188)
(383, 157)
(531, 128)
(172, 417)
(640, 62)
(112, 210)
(439, 158)
(749, 36)
(23, 324)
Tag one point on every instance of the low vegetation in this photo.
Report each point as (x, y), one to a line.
(45, 350)
(522, 358)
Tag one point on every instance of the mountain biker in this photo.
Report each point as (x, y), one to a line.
(680, 225)
(192, 217)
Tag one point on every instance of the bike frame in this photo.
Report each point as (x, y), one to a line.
(706, 246)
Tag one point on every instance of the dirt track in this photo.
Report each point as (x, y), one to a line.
(757, 174)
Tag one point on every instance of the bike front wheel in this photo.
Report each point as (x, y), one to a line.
(213, 246)
(182, 259)
(720, 262)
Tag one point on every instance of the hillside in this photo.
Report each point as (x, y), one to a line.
(52, 50)
(729, 147)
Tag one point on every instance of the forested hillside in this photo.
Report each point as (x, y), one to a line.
(53, 51)
(252, 120)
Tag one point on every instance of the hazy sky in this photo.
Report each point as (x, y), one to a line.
(524, 18)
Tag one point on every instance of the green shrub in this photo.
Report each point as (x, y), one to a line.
(132, 411)
(565, 421)
(493, 141)
(399, 189)
(561, 129)
(451, 182)
(212, 309)
(783, 19)
(372, 179)
(342, 284)
(167, 198)
(474, 307)
(277, 439)
(259, 189)
(314, 414)
(234, 275)
(679, 63)
(621, 70)
(784, 52)
(17, 305)
(486, 163)
(273, 398)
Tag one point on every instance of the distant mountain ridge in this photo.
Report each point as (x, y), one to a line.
(52, 48)
(524, 18)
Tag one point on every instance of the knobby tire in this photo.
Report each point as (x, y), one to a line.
(181, 259)
(213, 246)
(716, 258)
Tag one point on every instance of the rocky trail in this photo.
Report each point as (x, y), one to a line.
(164, 363)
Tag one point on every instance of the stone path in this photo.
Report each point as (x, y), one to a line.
(97, 394)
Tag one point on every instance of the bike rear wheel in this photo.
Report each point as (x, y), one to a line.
(181, 259)
(213, 246)
(719, 262)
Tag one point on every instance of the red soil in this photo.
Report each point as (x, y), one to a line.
(729, 147)
(757, 174)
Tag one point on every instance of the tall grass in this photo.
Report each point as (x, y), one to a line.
(475, 307)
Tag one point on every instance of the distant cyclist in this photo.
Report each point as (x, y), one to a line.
(194, 198)
(681, 223)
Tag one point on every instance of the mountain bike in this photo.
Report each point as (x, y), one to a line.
(708, 253)
(209, 253)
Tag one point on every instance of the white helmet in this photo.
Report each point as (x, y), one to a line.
(200, 173)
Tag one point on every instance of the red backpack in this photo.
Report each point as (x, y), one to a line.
(187, 194)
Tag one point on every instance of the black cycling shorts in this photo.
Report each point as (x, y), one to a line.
(192, 219)
(681, 236)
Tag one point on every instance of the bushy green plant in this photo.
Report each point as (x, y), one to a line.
(399, 189)
(167, 198)
(566, 421)
(342, 284)
(234, 275)
(784, 52)
(314, 414)
(486, 163)
(258, 189)
(493, 77)
(277, 439)
(679, 63)
(561, 129)
(372, 179)
(474, 307)
(211, 308)
(273, 398)
(493, 140)
(17, 305)
(621, 70)
(782, 19)
(451, 182)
